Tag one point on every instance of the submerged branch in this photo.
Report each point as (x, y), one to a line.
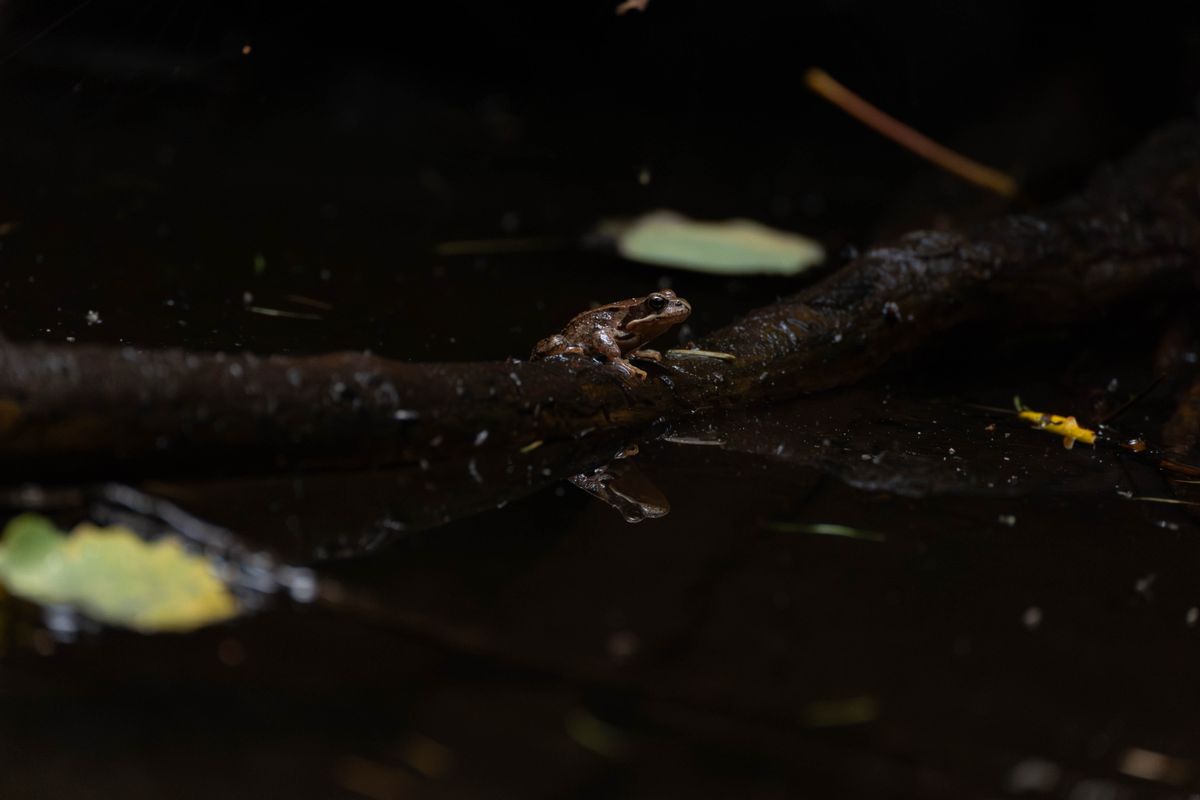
(91, 409)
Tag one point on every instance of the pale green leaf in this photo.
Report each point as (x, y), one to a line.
(731, 247)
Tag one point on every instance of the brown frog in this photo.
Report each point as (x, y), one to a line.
(617, 330)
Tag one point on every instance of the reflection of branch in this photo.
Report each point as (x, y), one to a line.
(84, 409)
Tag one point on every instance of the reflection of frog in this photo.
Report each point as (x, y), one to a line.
(623, 486)
(617, 330)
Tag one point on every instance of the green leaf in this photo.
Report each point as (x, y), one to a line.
(113, 575)
(731, 247)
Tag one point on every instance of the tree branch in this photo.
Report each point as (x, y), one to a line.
(92, 409)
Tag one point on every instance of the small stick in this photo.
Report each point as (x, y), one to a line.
(992, 179)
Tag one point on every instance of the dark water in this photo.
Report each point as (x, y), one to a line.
(883, 591)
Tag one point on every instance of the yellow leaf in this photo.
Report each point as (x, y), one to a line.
(1066, 427)
(113, 575)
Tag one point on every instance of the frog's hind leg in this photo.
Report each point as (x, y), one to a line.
(554, 346)
(647, 355)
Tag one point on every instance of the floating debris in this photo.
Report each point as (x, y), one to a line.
(529, 448)
(279, 312)
(825, 529)
(684, 353)
(693, 440)
(839, 713)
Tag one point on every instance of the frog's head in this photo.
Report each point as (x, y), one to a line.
(651, 316)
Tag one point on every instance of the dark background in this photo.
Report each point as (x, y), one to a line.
(153, 173)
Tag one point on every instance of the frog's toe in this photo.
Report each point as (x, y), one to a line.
(647, 355)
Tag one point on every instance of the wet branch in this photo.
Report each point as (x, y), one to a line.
(76, 409)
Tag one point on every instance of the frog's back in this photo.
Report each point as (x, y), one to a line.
(580, 334)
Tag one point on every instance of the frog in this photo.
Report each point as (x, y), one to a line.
(615, 333)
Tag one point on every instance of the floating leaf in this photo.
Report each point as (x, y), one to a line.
(113, 575)
(1066, 427)
(731, 247)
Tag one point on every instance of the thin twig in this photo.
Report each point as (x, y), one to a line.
(993, 179)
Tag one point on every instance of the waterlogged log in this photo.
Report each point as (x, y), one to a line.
(92, 409)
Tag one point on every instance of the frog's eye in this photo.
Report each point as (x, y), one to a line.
(656, 302)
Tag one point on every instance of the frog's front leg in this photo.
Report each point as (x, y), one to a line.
(606, 346)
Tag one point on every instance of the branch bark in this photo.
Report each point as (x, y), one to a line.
(91, 409)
